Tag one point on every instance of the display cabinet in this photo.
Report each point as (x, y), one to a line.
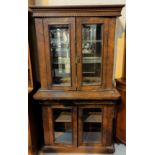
(75, 48)
(121, 109)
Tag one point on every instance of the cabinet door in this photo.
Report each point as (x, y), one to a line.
(60, 125)
(95, 125)
(90, 125)
(59, 36)
(91, 52)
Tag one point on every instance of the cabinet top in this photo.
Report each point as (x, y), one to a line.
(78, 10)
(77, 95)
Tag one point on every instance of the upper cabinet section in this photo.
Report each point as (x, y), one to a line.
(75, 46)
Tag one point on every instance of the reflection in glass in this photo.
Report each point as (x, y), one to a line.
(62, 126)
(92, 120)
(91, 54)
(60, 54)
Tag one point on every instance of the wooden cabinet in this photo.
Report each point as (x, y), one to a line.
(121, 109)
(121, 112)
(75, 48)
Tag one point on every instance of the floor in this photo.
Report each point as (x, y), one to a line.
(120, 150)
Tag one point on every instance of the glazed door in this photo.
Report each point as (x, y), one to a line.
(95, 125)
(90, 125)
(60, 125)
(59, 36)
(91, 52)
(64, 127)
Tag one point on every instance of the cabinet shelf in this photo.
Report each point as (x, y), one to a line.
(62, 60)
(94, 41)
(62, 73)
(65, 117)
(58, 42)
(91, 80)
(94, 118)
(91, 60)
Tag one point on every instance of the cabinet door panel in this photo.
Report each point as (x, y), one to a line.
(64, 126)
(90, 125)
(95, 125)
(60, 125)
(91, 52)
(60, 52)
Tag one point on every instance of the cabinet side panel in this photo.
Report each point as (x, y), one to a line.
(108, 125)
(41, 51)
(110, 54)
(121, 114)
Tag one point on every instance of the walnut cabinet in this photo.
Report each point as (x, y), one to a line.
(75, 48)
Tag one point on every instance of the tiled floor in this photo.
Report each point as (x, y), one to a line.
(120, 150)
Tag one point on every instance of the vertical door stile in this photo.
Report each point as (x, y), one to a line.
(48, 58)
(78, 52)
(110, 53)
(41, 49)
(75, 130)
(105, 53)
(73, 54)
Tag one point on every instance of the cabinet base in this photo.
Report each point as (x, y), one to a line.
(81, 149)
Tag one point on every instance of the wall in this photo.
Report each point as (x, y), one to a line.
(120, 26)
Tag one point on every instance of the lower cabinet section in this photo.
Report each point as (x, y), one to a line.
(78, 126)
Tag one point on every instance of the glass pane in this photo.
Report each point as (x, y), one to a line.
(92, 122)
(62, 126)
(60, 54)
(91, 54)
